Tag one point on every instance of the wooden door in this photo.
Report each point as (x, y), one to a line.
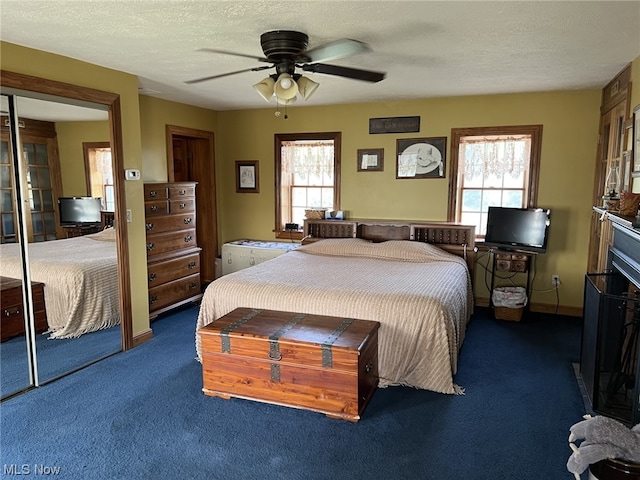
(181, 159)
(190, 158)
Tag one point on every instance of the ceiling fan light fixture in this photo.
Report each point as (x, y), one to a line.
(306, 87)
(265, 88)
(286, 88)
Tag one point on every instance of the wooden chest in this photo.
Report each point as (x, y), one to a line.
(12, 309)
(314, 362)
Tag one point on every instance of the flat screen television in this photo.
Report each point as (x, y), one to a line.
(79, 210)
(523, 229)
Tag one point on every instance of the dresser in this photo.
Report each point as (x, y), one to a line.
(12, 309)
(173, 255)
(245, 253)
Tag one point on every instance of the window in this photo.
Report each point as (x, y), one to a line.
(98, 167)
(492, 166)
(307, 176)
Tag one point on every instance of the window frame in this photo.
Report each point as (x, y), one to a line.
(279, 138)
(531, 191)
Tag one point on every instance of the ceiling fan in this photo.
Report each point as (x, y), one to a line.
(286, 50)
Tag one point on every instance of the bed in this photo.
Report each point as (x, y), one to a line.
(413, 278)
(80, 277)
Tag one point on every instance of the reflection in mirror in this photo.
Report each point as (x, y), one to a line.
(14, 356)
(73, 255)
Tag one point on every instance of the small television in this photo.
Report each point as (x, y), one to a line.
(79, 210)
(523, 229)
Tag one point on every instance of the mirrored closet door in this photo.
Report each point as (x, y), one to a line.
(58, 253)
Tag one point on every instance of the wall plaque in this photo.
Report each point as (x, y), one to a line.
(394, 125)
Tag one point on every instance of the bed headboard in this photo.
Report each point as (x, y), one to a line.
(453, 237)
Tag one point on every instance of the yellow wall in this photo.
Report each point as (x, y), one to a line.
(570, 121)
(54, 67)
(71, 136)
(155, 115)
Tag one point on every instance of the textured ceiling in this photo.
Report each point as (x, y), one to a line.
(427, 48)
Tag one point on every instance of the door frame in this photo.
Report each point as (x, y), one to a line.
(36, 87)
(203, 171)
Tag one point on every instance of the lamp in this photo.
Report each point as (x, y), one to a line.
(306, 86)
(265, 88)
(286, 88)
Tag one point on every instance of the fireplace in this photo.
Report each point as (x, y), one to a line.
(609, 359)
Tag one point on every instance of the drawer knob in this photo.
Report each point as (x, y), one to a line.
(148, 226)
(183, 205)
(152, 277)
(150, 246)
(153, 299)
(193, 286)
(182, 191)
(192, 265)
(188, 238)
(368, 367)
(153, 193)
(188, 220)
(154, 208)
(8, 312)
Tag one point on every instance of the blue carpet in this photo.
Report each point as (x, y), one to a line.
(55, 356)
(142, 415)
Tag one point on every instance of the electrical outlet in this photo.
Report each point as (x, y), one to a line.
(129, 216)
(555, 280)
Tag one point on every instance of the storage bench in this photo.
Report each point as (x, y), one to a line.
(314, 362)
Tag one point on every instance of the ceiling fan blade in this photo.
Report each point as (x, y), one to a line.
(213, 77)
(335, 50)
(356, 74)
(227, 52)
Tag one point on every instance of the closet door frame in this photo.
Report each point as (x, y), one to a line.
(28, 86)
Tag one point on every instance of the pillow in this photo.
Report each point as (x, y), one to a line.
(397, 250)
(106, 235)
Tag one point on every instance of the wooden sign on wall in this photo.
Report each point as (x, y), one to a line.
(394, 125)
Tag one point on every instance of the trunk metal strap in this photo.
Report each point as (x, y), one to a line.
(274, 347)
(327, 358)
(224, 333)
(275, 372)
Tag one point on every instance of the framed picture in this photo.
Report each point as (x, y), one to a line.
(421, 157)
(247, 179)
(371, 160)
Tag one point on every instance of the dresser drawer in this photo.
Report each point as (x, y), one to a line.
(170, 223)
(155, 192)
(166, 270)
(180, 190)
(158, 244)
(174, 292)
(183, 205)
(12, 312)
(156, 207)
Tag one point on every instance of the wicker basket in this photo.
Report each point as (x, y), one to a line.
(507, 313)
(315, 214)
(629, 204)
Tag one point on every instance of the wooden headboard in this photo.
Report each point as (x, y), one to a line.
(453, 237)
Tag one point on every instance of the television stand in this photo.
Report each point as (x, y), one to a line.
(80, 230)
(511, 261)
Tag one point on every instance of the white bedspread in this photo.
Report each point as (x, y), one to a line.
(80, 277)
(420, 294)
